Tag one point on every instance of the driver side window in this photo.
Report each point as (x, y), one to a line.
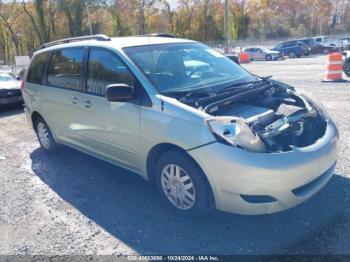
(106, 68)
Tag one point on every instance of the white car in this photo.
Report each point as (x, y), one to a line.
(262, 53)
(10, 89)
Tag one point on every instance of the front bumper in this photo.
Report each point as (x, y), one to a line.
(10, 96)
(260, 183)
(10, 100)
(276, 57)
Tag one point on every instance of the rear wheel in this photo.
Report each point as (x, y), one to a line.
(291, 54)
(44, 135)
(347, 67)
(182, 185)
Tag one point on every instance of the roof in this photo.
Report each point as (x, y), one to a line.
(115, 42)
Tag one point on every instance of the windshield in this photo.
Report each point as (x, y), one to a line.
(5, 77)
(186, 67)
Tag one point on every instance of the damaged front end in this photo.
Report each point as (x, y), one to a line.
(269, 117)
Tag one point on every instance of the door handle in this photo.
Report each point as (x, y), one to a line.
(87, 103)
(75, 100)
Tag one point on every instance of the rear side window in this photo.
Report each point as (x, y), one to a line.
(65, 68)
(105, 68)
(37, 67)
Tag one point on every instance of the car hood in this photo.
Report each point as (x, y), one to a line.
(9, 84)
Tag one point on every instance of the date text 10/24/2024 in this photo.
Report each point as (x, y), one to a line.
(173, 258)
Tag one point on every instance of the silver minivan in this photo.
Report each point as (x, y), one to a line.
(206, 132)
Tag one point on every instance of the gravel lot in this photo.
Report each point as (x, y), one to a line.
(71, 203)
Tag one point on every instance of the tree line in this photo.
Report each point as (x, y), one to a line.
(25, 25)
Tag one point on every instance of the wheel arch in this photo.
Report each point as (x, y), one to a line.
(34, 117)
(160, 149)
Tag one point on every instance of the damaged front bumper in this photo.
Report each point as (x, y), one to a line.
(258, 183)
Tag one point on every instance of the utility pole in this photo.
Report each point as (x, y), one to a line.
(88, 17)
(226, 24)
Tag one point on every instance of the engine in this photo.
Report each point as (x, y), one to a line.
(282, 119)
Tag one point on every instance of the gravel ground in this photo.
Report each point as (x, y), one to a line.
(71, 203)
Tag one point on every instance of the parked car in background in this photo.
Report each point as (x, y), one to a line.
(325, 48)
(262, 53)
(325, 45)
(343, 43)
(10, 89)
(321, 39)
(290, 48)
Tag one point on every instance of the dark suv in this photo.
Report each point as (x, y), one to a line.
(292, 49)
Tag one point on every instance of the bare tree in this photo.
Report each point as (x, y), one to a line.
(8, 19)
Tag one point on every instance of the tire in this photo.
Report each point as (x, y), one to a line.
(194, 201)
(291, 54)
(268, 57)
(44, 135)
(325, 51)
(346, 67)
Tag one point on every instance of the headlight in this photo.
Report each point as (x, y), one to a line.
(236, 132)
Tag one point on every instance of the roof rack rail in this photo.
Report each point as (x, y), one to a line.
(75, 39)
(158, 35)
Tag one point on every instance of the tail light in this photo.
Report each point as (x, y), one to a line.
(21, 84)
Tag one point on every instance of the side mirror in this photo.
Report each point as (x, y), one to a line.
(119, 92)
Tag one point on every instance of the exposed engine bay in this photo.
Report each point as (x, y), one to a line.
(271, 117)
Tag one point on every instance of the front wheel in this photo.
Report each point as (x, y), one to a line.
(347, 67)
(182, 185)
(44, 135)
(291, 54)
(268, 57)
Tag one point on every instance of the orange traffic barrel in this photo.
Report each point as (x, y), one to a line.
(244, 58)
(334, 67)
